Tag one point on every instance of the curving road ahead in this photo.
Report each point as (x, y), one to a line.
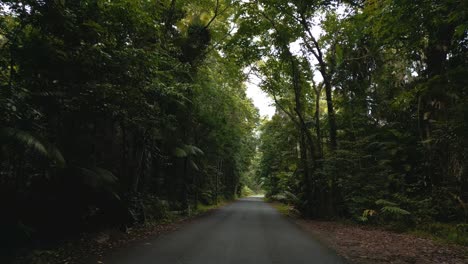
(244, 232)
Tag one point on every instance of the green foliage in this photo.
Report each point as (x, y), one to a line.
(137, 97)
(14, 140)
(391, 88)
(391, 209)
(445, 232)
(394, 211)
(285, 209)
(156, 210)
(246, 191)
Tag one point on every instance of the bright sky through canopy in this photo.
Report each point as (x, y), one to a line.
(260, 99)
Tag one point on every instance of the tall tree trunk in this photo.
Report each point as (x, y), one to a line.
(331, 113)
(306, 173)
(434, 104)
(185, 198)
(139, 169)
(305, 135)
(313, 47)
(318, 91)
(305, 132)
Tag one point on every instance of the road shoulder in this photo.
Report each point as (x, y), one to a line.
(90, 248)
(372, 245)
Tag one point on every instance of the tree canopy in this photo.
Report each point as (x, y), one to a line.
(371, 106)
(112, 111)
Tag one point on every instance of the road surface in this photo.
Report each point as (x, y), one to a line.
(248, 231)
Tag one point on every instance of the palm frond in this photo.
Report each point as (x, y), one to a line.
(385, 203)
(394, 210)
(30, 142)
(95, 177)
(179, 152)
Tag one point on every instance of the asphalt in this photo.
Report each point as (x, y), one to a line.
(246, 231)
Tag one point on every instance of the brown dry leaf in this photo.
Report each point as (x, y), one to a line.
(360, 244)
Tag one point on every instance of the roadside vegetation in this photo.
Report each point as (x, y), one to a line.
(371, 120)
(116, 114)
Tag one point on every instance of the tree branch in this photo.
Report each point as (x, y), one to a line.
(215, 15)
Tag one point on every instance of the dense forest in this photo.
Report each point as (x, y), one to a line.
(372, 109)
(115, 113)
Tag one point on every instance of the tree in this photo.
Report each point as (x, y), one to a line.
(116, 113)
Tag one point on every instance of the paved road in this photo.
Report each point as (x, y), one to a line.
(248, 231)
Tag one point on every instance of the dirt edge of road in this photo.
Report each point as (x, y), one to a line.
(90, 248)
(372, 245)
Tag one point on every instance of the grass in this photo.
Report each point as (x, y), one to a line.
(203, 208)
(284, 209)
(442, 232)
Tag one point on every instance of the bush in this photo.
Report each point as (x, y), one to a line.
(246, 191)
(155, 209)
(448, 232)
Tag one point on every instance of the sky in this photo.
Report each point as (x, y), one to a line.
(260, 99)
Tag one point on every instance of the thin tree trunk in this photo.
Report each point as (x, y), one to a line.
(305, 167)
(139, 170)
(318, 131)
(314, 48)
(331, 115)
(305, 132)
(305, 135)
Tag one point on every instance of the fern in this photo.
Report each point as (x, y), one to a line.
(391, 209)
(291, 197)
(385, 203)
(100, 179)
(194, 150)
(394, 210)
(28, 141)
(194, 165)
(96, 177)
(187, 150)
(179, 153)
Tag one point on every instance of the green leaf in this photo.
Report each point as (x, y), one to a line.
(385, 203)
(28, 141)
(194, 165)
(193, 150)
(339, 54)
(180, 153)
(393, 210)
(96, 177)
